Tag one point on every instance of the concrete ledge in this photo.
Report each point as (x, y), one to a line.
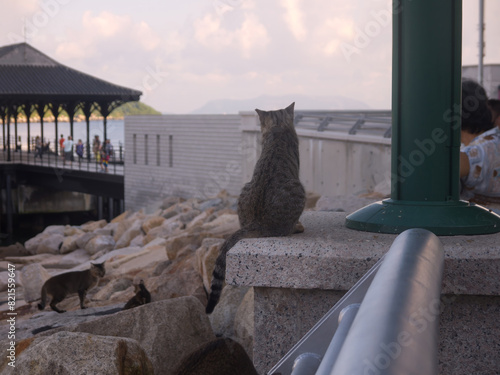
(297, 279)
(330, 256)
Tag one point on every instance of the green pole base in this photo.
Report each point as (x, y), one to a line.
(441, 218)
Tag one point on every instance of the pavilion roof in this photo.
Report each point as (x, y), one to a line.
(29, 76)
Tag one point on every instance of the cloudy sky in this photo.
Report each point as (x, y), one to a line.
(182, 54)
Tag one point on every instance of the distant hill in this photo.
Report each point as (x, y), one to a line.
(133, 108)
(267, 102)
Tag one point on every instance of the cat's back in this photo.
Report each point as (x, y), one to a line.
(275, 193)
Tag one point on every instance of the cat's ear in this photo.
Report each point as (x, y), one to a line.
(290, 108)
(261, 115)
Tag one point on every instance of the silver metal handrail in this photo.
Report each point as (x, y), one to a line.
(395, 330)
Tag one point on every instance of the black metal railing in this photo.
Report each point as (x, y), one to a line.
(44, 154)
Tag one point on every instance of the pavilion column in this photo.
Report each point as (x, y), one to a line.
(3, 113)
(40, 108)
(106, 108)
(87, 111)
(15, 114)
(8, 134)
(55, 108)
(28, 110)
(426, 79)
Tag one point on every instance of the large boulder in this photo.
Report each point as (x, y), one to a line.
(73, 259)
(167, 330)
(83, 239)
(222, 318)
(180, 278)
(71, 231)
(4, 280)
(144, 257)
(93, 225)
(152, 222)
(32, 278)
(32, 244)
(68, 353)
(126, 223)
(205, 257)
(100, 243)
(221, 356)
(15, 250)
(54, 229)
(244, 322)
(222, 226)
(50, 244)
(69, 244)
(133, 231)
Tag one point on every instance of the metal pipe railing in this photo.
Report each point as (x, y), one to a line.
(393, 331)
(396, 328)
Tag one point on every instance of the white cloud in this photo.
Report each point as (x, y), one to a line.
(251, 35)
(294, 19)
(105, 24)
(146, 36)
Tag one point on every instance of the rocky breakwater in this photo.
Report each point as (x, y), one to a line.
(173, 250)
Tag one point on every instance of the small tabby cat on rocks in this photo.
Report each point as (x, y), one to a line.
(59, 286)
(271, 203)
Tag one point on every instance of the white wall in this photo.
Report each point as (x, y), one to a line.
(205, 152)
(214, 152)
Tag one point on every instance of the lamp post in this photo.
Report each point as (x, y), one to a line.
(426, 97)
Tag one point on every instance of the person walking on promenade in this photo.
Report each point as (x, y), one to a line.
(96, 149)
(38, 147)
(68, 151)
(79, 151)
(61, 146)
(107, 152)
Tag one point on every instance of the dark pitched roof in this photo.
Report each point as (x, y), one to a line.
(28, 74)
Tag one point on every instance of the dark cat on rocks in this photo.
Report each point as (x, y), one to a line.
(59, 286)
(271, 203)
(142, 296)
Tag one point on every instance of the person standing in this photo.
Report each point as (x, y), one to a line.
(61, 146)
(107, 152)
(68, 150)
(79, 150)
(96, 149)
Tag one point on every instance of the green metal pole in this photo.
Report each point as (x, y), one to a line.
(426, 97)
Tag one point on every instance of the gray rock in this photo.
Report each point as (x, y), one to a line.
(167, 329)
(100, 243)
(4, 280)
(244, 323)
(222, 356)
(133, 231)
(74, 259)
(210, 203)
(50, 244)
(222, 319)
(82, 240)
(32, 277)
(82, 353)
(31, 245)
(55, 229)
(48, 322)
(69, 244)
(15, 250)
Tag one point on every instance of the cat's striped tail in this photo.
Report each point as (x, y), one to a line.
(219, 274)
(41, 305)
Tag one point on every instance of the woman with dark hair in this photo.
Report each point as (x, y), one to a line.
(480, 151)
